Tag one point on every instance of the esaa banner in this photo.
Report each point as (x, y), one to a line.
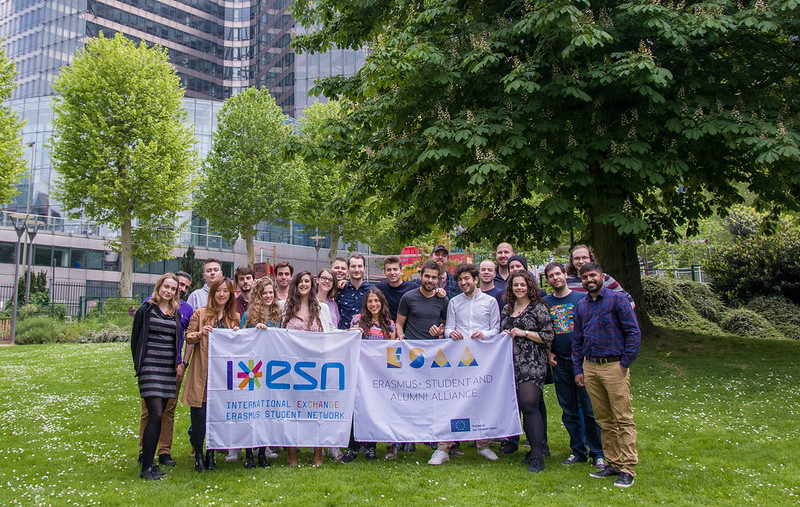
(436, 390)
(280, 387)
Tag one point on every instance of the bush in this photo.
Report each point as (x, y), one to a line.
(667, 307)
(759, 265)
(780, 312)
(53, 310)
(702, 299)
(36, 330)
(749, 324)
(108, 334)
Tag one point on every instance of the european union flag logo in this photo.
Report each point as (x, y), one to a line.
(459, 425)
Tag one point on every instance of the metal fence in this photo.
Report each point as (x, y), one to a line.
(80, 298)
(694, 273)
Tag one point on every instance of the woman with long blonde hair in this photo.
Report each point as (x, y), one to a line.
(155, 339)
(264, 310)
(219, 312)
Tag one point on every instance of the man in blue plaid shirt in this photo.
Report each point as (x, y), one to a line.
(605, 343)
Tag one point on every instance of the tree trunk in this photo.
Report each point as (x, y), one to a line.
(248, 241)
(617, 255)
(335, 235)
(126, 259)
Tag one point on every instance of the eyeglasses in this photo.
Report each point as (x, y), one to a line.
(325, 279)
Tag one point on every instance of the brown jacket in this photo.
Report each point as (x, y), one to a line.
(194, 391)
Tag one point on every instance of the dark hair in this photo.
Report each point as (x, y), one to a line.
(335, 289)
(591, 266)
(242, 271)
(383, 316)
(284, 264)
(184, 274)
(571, 269)
(212, 308)
(470, 268)
(293, 301)
(533, 291)
(210, 260)
(257, 311)
(356, 256)
(553, 265)
(429, 265)
(392, 259)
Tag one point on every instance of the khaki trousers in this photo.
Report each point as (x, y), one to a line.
(167, 422)
(610, 392)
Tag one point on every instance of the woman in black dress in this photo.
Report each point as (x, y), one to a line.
(527, 319)
(154, 345)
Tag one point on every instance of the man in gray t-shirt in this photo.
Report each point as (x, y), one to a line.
(421, 314)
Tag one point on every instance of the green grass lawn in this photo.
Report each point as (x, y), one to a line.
(718, 422)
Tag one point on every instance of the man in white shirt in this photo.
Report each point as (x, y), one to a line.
(471, 314)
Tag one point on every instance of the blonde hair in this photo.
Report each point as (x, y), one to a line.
(257, 311)
(174, 303)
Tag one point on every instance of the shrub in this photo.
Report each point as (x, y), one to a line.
(667, 307)
(702, 299)
(780, 312)
(36, 330)
(749, 324)
(109, 333)
(759, 265)
(53, 310)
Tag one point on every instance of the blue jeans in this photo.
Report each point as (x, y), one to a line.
(574, 401)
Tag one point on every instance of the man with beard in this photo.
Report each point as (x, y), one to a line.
(441, 256)
(421, 315)
(605, 343)
(351, 297)
(502, 254)
(244, 282)
(283, 276)
(168, 415)
(578, 417)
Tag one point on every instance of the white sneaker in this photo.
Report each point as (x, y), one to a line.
(233, 455)
(270, 453)
(439, 457)
(335, 453)
(488, 454)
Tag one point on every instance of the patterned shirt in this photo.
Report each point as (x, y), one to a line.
(375, 331)
(605, 326)
(350, 301)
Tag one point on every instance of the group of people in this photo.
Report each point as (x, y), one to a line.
(583, 338)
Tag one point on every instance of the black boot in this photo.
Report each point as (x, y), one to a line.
(248, 458)
(262, 457)
(211, 464)
(149, 473)
(199, 465)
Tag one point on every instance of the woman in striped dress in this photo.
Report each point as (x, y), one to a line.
(154, 345)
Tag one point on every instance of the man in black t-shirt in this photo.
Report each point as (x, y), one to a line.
(421, 314)
(394, 286)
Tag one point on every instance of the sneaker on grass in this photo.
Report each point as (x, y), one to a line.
(438, 458)
(572, 459)
(625, 480)
(600, 463)
(488, 454)
(233, 455)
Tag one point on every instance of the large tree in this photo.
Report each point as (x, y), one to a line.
(122, 147)
(249, 175)
(11, 148)
(619, 121)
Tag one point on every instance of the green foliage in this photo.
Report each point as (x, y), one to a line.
(193, 266)
(620, 121)
(11, 147)
(759, 265)
(780, 312)
(248, 177)
(52, 310)
(107, 334)
(749, 324)
(702, 299)
(121, 147)
(40, 294)
(668, 307)
(36, 330)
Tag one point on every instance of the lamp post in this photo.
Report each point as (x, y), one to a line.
(19, 221)
(317, 240)
(32, 146)
(32, 227)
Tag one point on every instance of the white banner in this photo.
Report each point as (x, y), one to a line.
(436, 390)
(280, 387)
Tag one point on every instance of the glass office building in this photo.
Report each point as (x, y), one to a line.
(218, 47)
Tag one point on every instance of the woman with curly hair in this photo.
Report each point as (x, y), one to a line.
(302, 311)
(219, 312)
(527, 319)
(154, 345)
(264, 310)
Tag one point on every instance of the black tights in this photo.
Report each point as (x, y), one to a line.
(528, 397)
(198, 417)
(152, 430)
